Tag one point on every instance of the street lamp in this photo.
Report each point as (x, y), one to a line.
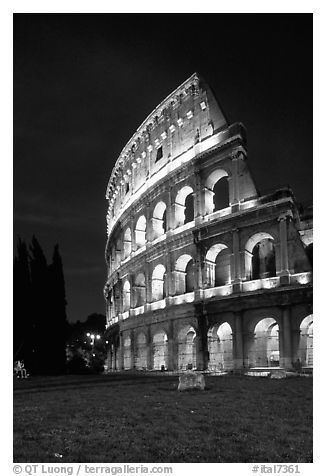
(93, 337)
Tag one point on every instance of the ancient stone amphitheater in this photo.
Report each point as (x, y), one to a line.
(204, 272)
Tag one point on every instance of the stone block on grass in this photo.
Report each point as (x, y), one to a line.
(279, 373)
(191, 381)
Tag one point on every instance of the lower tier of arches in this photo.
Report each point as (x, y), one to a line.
(268, 337)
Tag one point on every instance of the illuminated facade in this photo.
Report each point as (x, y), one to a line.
(203, 271)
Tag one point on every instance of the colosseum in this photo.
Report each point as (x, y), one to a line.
(204, 272)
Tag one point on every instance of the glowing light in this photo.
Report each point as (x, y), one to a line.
(92, 336)
(98, 337)
(88, 334)
(143, 154)
(150, 148)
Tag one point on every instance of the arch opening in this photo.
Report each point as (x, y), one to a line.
(260, 259)
(160, 350)
(127, 243)
(140, 232)
(184, 274)
(305, 350)
(217, 191)
(187, 348)
(220, 348)
(217, 267)
(126, 296)
(264, 346)
(159, 283)
(141, 352)
(159, 220)
(140, 290)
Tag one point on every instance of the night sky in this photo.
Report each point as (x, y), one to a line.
(83, 83)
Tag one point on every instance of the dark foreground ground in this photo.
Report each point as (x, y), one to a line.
(126, 418)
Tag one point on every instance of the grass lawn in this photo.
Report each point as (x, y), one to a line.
(143, 418)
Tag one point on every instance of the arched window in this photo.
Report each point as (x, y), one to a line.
(158, 283)
(217, 266)
(159, 220)
(127, 243)
(141, 352)
(160, 350)
(187, 348)
(305, 350)
(140, 232)
(264, 347)
(184, 206)
(184, 274)
(126, 296)
(221, 194)
(220, 347)
(140, 290)
(217, 191)
(260, 256)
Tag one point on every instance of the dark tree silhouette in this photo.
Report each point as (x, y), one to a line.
(22, 304)
(57, 327)
(40, 322)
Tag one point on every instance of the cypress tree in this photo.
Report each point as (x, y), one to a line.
(57, 314)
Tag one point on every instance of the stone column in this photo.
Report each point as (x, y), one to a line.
(238, 341)
(198, 206)
(198, 272)
(283, 272)
(148, 281)
(120, 356)
(169, 212)
(172, 353)
(235, 262)
(132, 349)
(248, 347)
(286, 355)
(149, 348)
(201, 340)
(149, 230)
(234, 185)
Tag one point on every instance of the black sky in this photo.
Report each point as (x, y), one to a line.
(83, 83)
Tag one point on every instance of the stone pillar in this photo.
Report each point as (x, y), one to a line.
(169, 212)
(234, 185)
(286, 337)
(178, 212)
(132, 349)
(201, 340)
(198, 205)
(133, 237)
(235, 262)
(198, 272)
(238, 341)
(172, 351)
(149, 348)
(208, 201)
(148, 281)
(283, 271)
(248, 347)
(149, 230)
(120, 355)
(133, 295)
